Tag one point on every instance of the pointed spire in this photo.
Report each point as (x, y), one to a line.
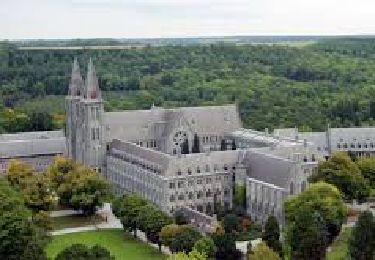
(92, 90)
(76, 82)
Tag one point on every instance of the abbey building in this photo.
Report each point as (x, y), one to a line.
(184, 157)
(189, 157)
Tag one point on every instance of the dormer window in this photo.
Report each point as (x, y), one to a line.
(198, 170)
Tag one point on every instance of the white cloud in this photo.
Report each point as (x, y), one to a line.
(171, 18)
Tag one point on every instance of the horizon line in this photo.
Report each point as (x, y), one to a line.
(367, 35)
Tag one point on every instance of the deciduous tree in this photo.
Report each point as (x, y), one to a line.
(362, 240)
(342, 172)
(206, 246)
(263, 252)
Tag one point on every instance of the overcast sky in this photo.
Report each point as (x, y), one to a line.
(20, 19)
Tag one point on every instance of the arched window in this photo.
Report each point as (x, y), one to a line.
(303, 186)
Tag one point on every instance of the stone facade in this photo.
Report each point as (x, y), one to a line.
(359, 141)
(35, 148)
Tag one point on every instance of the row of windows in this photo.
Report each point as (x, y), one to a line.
(355, 145)
(198, 195)
(134, 161)
(209, 139)
(206, 168)
(208, 180)
(305, 159)
(147, 143)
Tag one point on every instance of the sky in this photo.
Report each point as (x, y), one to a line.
(59, 19)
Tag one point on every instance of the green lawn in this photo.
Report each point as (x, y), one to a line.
(121, 245)
(340, 246)
(75, 221)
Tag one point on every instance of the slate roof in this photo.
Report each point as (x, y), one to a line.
(159, 122)
(32, 143)
(268, 168)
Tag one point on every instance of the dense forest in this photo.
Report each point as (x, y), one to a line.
(275, 85)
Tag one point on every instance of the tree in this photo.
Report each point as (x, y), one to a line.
(185, 239)
(20, 237)
(231, 223)
(193, 255)
(196, 146)
(322, 198)
(314, 219)
(307, 236)
(342, 172)
(367, 167)
(89, 194)
(43, 220)
(271, 234)
(40, 121)
(179, 218)
(17, 172)
(205, 246)
(168, 233)
(39, 194)
(226, 246)
(77, 186)
(62, 174)
(362, 241)
(263, 252)
(151, 220)
(127, 209)
(82, 252)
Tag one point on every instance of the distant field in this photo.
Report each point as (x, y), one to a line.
(121, 245)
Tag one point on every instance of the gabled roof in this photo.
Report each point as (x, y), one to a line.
(159, 122)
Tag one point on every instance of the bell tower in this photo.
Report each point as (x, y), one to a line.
(91, 143)
(72, 101)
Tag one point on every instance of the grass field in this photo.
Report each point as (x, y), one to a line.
(340, 246)
(121, 245)
(75, 221)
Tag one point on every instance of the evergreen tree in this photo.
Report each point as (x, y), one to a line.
(196, 146)
(362, 241)
(271, 234)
